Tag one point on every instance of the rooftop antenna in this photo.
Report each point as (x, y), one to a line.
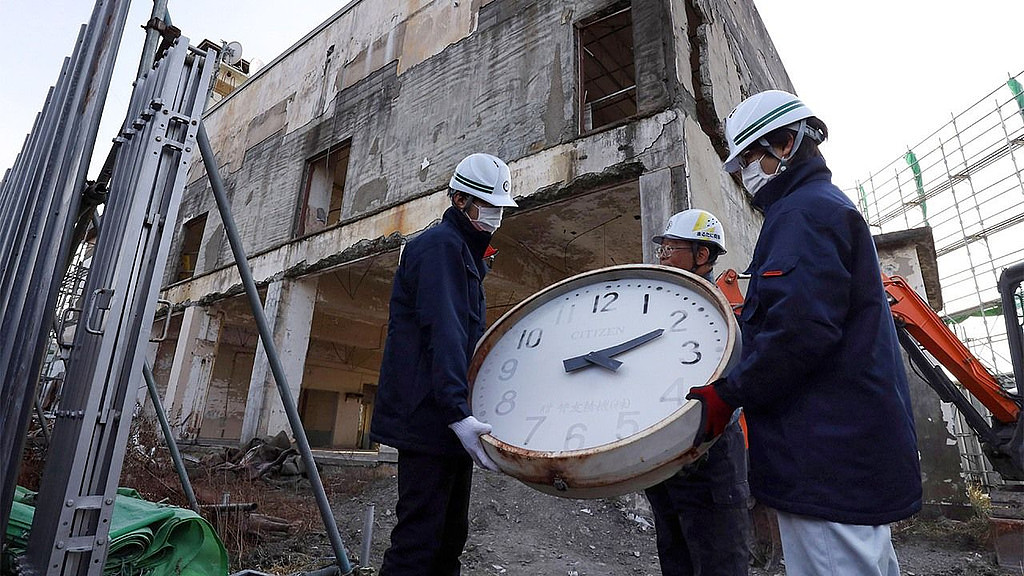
(232, 53)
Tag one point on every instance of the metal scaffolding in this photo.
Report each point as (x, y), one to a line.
(966, 182)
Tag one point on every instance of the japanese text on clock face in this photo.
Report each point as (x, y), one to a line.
(559, 379)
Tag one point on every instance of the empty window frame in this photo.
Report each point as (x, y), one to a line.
(607, 72)
(191, 240)
(325, 184)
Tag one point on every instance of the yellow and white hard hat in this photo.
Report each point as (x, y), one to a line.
(695, 225)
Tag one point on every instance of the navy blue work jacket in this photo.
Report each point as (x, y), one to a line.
(437, 316)
(821, 376)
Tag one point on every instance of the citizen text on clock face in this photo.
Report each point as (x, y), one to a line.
(598, 363)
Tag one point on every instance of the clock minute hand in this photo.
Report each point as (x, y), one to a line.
(600, 357)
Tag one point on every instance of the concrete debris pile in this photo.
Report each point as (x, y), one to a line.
(271, 459)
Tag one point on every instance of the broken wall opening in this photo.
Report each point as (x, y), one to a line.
(192, 239)
(224, 410)
(607, 69)
(324, 189)
(346, 346)
(543, 245)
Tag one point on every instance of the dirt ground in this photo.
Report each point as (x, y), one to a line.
(515, 530)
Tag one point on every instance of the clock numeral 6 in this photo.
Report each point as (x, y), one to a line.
(530, 338)
(508, 369)
(574, 439)
(626, 421)
(691, 354)
(506, 404)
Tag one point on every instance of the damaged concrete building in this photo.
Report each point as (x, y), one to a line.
(609, 113)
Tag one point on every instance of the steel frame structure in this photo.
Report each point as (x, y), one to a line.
(966, 182)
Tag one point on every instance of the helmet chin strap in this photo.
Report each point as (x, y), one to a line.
(784, 162)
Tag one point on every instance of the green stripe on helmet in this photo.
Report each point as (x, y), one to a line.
(766, 119)
(473, 184)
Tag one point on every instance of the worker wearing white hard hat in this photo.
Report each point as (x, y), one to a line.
(693, 240)
(820, 378)
(700, 514)
(437, 315)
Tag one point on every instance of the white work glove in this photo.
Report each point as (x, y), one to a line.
(469, 430)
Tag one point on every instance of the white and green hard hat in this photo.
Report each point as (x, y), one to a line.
(760, 114)
(485, 177)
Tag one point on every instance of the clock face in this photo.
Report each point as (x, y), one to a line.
(599, 358)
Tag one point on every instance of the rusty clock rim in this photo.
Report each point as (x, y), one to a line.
(617, 272)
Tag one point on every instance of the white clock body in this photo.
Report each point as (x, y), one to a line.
(618, 420)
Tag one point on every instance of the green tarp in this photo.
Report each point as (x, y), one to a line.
(1018, 93)
(911, 159)
(145, 538)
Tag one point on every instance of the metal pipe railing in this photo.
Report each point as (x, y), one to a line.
(267, 336)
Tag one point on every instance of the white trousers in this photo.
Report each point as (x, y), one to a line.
(815, 547)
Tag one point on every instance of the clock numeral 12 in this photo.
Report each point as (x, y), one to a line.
(530, 339)
(609, 298)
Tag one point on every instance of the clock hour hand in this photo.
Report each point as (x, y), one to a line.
(600, 356)
(602, 360)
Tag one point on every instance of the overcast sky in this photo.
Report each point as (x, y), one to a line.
(882, 74)
(36, 36)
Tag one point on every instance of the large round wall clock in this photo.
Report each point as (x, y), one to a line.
(584, 383)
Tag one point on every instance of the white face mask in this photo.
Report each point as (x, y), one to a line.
(488, 218)
(754, 177)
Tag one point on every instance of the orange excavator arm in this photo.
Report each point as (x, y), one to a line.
(910, 310)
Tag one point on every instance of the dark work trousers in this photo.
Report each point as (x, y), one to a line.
(701, 515)
(433, 515)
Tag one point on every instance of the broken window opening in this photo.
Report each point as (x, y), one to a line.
(192, 239)
(318, 410)
(325, 186)
(607, 71)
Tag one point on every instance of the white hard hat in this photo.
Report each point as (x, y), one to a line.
(695, 225)
(760, 114)
(485, 177)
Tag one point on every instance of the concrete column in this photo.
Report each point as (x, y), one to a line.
(910, 254)
(662, 194)
(289, 309)
(189, 379)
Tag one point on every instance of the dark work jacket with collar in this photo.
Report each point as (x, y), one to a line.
(821, 376)
(437, 315)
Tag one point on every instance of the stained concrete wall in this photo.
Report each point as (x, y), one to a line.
(414, 86)
(417, 85)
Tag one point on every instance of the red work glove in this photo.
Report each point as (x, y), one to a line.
(714, 414)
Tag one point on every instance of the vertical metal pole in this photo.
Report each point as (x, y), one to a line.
(172, 446)
(152, 38)
(224, 206)
(1009, 280)
(364, 550)
(42, 420)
